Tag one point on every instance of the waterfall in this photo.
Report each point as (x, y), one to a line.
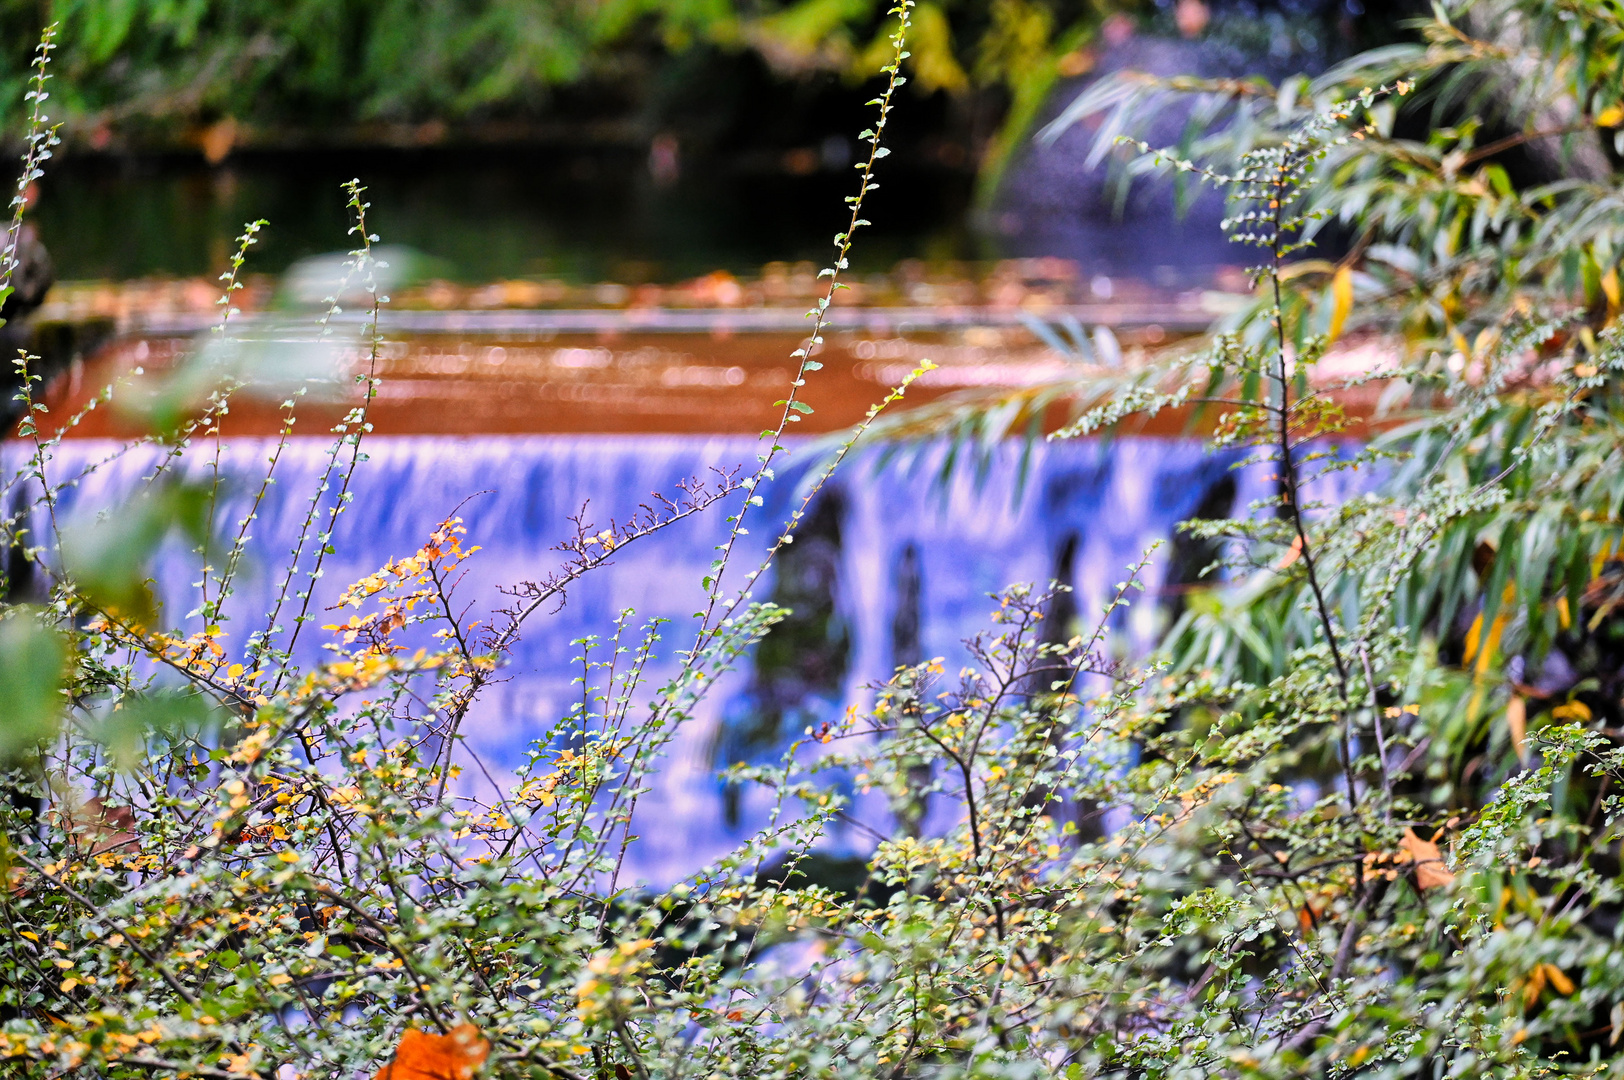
(935, 549)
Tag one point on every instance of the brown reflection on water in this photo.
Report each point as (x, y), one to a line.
(671, 383)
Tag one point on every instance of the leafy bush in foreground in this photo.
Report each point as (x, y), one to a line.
(1358, 817)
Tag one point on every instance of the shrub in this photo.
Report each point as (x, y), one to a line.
(1358, 816)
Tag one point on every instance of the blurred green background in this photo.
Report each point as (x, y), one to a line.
(578, 138)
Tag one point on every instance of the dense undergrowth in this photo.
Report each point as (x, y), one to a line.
(1358, 816)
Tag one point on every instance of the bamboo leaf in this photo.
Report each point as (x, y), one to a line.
(1341, 301)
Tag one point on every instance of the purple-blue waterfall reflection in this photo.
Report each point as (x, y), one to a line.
(904, 566)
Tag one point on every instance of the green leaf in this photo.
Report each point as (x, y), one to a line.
(107, 557)
(124, 731)
(33, 659)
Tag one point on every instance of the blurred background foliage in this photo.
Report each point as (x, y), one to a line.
(1471, 239)
(723, 74)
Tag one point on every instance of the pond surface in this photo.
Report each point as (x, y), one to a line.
(484, 213)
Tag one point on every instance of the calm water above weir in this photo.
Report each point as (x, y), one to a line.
(479, 214)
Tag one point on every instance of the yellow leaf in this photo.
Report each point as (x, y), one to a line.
(1306, 266)
(1517, 725)
(930, 40)
(29, 934)
(1612, 116)
(1600, 559)
(1341, 301)
(1573, 710)
(68, 985)
(1482, 647)
(1472, 636)
(1558, 979)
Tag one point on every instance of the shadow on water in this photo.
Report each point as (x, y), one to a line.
(800, 670)
(1192, 562)
(588, 214)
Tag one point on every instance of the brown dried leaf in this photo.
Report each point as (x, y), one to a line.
(95, 827)
(422, 1056)
(1430, 871)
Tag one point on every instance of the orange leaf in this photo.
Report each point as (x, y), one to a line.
(1534, 986)
(1430, 871)
(1291, 556)
(421, 1056)
(1517, 725)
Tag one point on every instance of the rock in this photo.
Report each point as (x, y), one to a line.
(31, 280)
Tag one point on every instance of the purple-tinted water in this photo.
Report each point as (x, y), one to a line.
(1105, 503)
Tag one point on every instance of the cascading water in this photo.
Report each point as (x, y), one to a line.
(907, 565)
